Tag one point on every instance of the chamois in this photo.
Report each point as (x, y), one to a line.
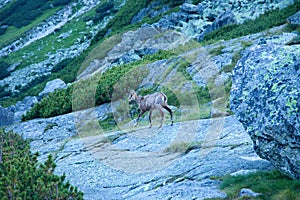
(157, 100)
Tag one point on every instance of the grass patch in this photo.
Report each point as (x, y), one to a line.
(40, 49)
(216, 51)
(271, 185)
(100, 51)
(183, 147)
(13, 33)
(20, 16)
(109, 124)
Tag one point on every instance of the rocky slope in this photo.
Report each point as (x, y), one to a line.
(172, 162)
(152, 163)
(42, 68)
(194, 21)
(182, 161)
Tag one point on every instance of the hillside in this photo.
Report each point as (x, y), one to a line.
(66, 67)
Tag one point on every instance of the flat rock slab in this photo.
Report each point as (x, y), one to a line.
(177, 161)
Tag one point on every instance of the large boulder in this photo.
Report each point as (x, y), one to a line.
(51, 86)
(265, 97)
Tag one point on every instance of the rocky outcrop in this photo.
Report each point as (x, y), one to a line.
(265, 97)
(150, 12)
(133, 46)
(172, 162)
(13, 114)
(197, 20)
(22, 107)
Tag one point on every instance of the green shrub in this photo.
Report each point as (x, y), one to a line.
(108, 124)
(4, 93)
(3, 70)
(3, 30)
(22, 177)
(56, 103)
(61, 65)
(103, 10)
(91, 92)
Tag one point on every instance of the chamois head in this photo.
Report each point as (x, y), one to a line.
(132, 96)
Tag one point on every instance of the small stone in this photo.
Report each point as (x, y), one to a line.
(245, 192)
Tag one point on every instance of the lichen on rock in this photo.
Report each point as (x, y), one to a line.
(265, 97)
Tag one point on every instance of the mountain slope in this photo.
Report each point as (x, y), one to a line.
(92, 51)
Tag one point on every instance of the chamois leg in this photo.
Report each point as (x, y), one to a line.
(137, 120)
(171, 113)
(159, 108)
(150, 115)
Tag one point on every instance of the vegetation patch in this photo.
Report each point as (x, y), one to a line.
(108, 124)
(91, 92)
(122, 20)
(3, 70)
(9, 32)
(216, 51)
(265, 21)
(183, 147)
(271, 185)
(22, 177)
(22, 12)
(196, 2)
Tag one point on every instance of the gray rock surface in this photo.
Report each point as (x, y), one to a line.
(53, 85)
(172, 162)
(13, 114)
(6, 117)
(245, 192)
(197, 20)
(134, 45)
(265, 97)
(294, 19)
(150, 12)
(22, 107)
